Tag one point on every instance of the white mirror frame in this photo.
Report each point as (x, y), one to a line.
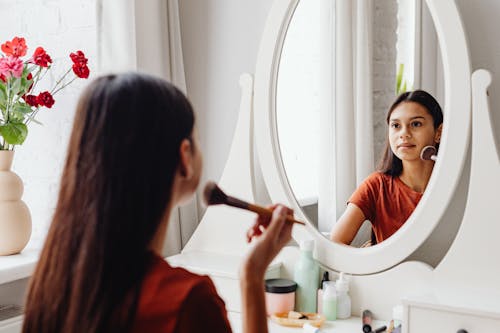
(447, 170)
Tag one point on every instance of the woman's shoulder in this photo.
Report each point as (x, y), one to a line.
(162, 275)
(167, 293)
(167, 288)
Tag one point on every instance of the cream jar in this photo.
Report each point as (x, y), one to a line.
(280, 295)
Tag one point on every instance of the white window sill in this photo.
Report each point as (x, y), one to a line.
(19, 266)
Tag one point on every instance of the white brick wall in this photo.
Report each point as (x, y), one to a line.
(61, 27)
(384, 69)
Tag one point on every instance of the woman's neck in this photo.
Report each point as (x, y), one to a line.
(416, 175)
(158, 240)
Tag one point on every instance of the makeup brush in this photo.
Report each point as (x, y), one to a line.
(213, 195)
(428, 153)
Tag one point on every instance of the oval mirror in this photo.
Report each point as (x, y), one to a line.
(308, 71)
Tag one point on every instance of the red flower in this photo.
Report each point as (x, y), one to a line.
(31, 100)
(2, 77)
(45, 99)
(81, 70)
(16, 48)
(41, 58)
(78, 58)
(30, 77)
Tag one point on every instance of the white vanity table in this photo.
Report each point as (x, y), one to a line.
(462, 292)
(351, 325)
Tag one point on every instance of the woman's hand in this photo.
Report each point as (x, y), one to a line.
(271, 234)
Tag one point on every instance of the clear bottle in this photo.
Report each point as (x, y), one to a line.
(306, 274)
(330, 300)
(321, 290)
(343, 298)
(397, 315)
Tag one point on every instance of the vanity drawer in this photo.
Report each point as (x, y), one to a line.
(427, 319)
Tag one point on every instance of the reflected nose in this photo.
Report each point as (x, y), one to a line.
(405, 133)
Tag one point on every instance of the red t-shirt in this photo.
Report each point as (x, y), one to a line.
(386, 202)
(175, 300)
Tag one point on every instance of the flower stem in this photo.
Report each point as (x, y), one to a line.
(63, 86)
(59, 81)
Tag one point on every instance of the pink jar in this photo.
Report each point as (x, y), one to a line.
(280, 295)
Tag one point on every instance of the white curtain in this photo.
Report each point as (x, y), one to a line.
(346, 105)
(145, 36)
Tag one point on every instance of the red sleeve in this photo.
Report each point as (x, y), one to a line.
(366, 196)
(203, 310)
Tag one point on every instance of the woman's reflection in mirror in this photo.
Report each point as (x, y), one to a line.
(388, 196)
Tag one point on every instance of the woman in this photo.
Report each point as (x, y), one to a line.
(133, 156)
(388, 197)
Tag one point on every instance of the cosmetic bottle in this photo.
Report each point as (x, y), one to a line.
(330, 301)
(321, 290)
(306, 275)
(397, 315)
(343, 298)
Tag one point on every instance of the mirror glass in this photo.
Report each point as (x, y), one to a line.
(393, 48)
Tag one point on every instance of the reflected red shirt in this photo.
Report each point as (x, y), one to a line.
(175, 300)
(386, 202)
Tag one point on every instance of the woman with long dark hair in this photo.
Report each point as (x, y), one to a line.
(388, 197)
(133, 156)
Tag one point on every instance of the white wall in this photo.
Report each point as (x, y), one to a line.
(220, 40)
(481, 24)
(60, 27)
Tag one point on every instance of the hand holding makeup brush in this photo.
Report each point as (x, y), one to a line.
(268, 242)
(213, 195)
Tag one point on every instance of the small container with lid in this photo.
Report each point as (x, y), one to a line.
(280, 295)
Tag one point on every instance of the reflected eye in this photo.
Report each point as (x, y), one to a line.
(416, 124)
(395, 125)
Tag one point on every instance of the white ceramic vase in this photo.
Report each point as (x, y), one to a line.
(15, 218)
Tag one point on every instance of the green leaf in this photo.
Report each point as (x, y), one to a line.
(22, 107)
(3, 94)
(399, 78)
(15, 85)
(14, 133)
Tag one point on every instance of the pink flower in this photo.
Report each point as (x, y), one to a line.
(11, 66)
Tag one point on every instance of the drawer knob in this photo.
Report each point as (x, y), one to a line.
(461, 331)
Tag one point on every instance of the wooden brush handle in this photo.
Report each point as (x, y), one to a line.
(232, 201)
(267, 212)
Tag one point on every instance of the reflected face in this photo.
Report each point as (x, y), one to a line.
(411, 128)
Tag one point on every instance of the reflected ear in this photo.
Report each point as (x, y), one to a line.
(437, 137)
(186, 168)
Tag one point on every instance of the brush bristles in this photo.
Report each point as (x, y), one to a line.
(427, 153)
(213, 195)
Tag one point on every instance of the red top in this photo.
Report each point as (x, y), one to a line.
(386, 202)
(175, 300)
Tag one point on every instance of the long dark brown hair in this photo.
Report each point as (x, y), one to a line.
(115, 188)
(390, 164)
